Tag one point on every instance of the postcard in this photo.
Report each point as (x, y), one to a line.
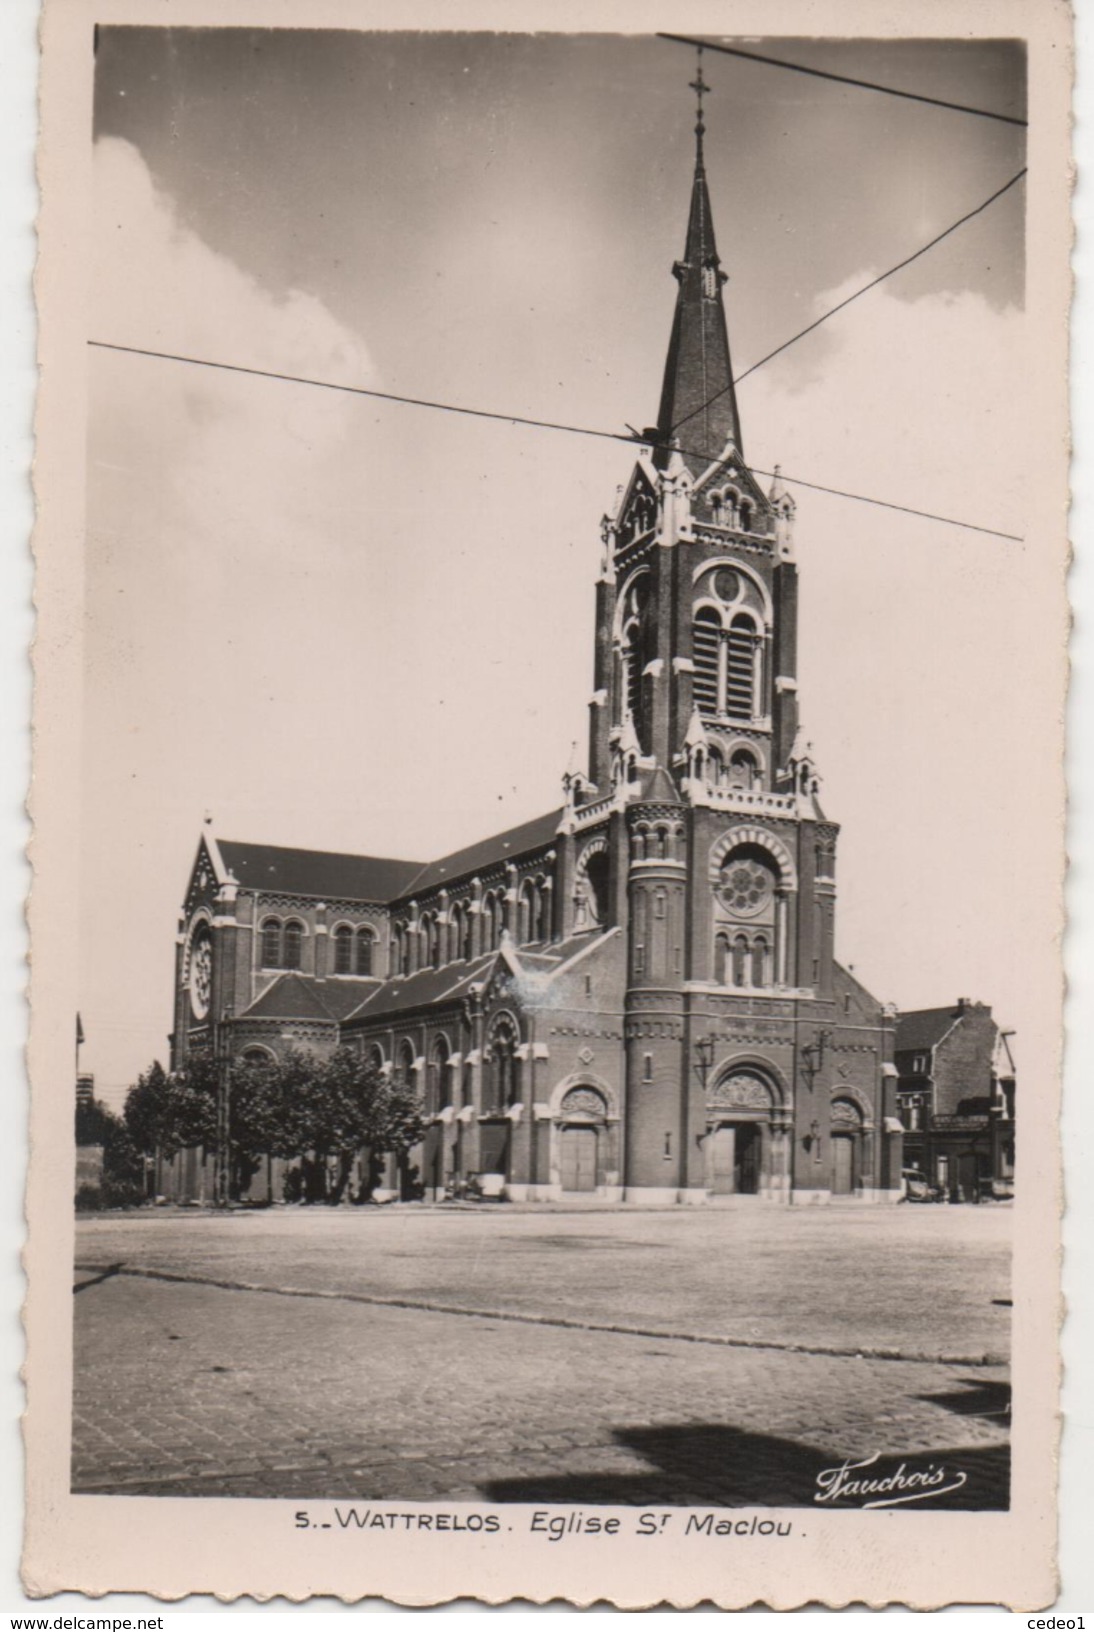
(548, 802)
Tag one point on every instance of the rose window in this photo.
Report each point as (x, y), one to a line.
(746, 886)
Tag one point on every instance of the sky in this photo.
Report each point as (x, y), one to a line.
(347, 624)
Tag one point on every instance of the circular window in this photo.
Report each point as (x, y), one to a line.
(746, 886)
(201, 973)
(727, 585)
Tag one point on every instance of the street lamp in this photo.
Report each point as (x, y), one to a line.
(813, 1056)
(704, 1056)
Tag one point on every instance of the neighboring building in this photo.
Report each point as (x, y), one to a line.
(955, 1084)
(636, 995)
(89, 1150)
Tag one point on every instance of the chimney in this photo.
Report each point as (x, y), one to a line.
(964, 1004)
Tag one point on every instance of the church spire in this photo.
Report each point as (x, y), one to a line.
(698, 403)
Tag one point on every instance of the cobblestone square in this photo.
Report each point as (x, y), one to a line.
(502, 1354)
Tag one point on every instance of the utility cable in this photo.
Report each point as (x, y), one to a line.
(840, 79)
(899, 267)
(537, 424)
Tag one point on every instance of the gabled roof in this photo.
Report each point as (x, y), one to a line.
(324, 874)
(515, 841)
(290, 997)
(923, 1028)
(428, 986)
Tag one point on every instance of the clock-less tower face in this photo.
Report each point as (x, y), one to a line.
(201, 972)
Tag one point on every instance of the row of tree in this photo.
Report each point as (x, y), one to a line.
(322, 1113)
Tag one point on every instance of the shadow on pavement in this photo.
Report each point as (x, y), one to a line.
(97, 1280)
(987, 1399)
(698, 1464)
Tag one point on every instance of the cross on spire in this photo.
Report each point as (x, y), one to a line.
(701, 88)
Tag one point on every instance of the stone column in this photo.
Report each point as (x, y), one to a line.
(322, 942)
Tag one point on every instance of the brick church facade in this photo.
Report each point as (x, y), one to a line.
(635, 996)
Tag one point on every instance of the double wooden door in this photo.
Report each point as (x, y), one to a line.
(577, 1158)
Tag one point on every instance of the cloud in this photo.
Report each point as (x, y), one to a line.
(928, 654)
(914, 401)
(157, 284)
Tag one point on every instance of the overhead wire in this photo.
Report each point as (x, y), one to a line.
(857, 295)
(840, 79)
(537, 424)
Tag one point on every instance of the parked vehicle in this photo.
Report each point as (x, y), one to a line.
(919, 1188)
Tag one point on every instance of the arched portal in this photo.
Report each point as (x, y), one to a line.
(846, 1147)
(747, 1140)
(582, 1124)
(584, 1148)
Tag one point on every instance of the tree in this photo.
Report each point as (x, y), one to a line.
(324, 1112)
(337, 1108)
(170, 1111)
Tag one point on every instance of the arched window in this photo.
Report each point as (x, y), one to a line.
(405, 1063)
(375, 1057)
(441, 1086)
(271, 944)
(740, 960)
(743, 770)
(503, 1076)
(527, 911)
(437, 1091)
(743, 647)
(721, 959)
(706, 641)
(292, 945)
(632, 652)
(632, 673)
(363, 943)
(543, 915)
(759, 961)
(257, 1057)
(343, 950)
(745, 516)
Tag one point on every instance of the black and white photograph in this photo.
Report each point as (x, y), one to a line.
(567, 810)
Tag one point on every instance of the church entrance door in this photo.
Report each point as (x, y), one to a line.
(577, 1158)
(843, 1164)
(735, 1159)
(723, 1160)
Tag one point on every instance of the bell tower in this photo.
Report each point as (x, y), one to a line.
(725, 860)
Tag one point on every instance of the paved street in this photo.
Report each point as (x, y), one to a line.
(303, 1389)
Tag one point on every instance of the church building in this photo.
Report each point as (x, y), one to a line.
(635, 996)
